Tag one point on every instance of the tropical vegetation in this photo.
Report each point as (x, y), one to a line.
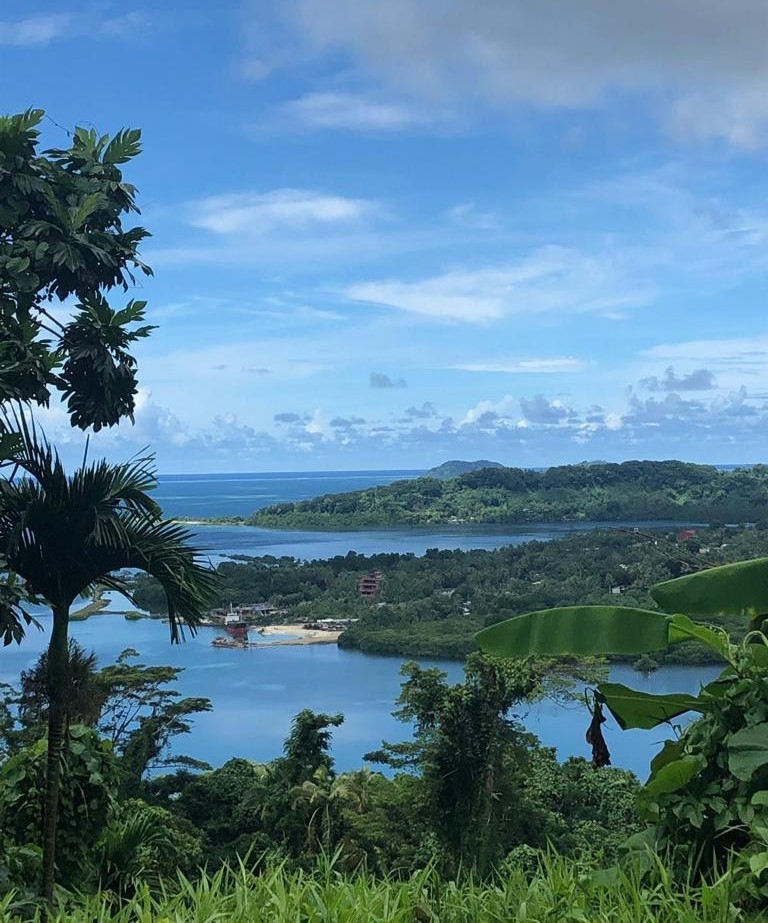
(707, 796)
(472, 819)
(432, 605)
(599, 492)
(62, 237)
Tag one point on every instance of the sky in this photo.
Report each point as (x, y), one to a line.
(389, 233)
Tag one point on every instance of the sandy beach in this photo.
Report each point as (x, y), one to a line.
(304, 635)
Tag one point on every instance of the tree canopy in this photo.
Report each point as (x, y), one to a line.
(63, 242)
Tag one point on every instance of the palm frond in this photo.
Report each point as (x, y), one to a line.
(62, 535)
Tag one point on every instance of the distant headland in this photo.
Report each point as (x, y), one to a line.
(489, 493)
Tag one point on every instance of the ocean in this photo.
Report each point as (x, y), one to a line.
(212, 495)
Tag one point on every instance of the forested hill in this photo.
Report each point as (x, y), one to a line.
(634, 490)
(454, 468)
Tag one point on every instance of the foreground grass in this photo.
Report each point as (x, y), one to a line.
(561, 892)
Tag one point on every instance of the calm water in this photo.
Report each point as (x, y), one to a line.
(212, 495)
(223, 541)
(256, 692)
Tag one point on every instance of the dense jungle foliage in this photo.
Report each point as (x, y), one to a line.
(431, 606)
(478, 822)
(600, 492)
(506, 798)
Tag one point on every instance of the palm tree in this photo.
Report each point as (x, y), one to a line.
(355, 789)
(64, 534)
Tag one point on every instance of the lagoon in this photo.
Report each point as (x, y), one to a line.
(256, 693)
(224, 541)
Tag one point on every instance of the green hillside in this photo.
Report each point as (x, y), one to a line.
(453, 468)
(634, 490)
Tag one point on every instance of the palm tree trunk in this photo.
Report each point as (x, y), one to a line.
(56, 682)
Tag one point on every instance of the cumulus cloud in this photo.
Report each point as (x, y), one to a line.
(380, 380)
(701, 67)
(427, 411)
(698, 380)
(539, 409)
(286, 209)
(346, 422)
(530, 430)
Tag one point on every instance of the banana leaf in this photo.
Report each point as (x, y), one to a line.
(733, 589)
(674, 775)
(578, 630)
(671, 751)
(633, 709)
(748, 751)
(683, 628)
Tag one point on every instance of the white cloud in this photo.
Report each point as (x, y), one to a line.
(45, 28)
(745, 353)
(701, 64)
(35, 30)
(551, 279)
(484, 409)
(696, 380)
(351, 111)
(525, 366)
(286, 209)
(468, 215)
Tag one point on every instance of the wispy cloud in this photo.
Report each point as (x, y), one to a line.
(260, 213)
(351, 111)
(35, 30)
(703, 72)
(468, 215)
(546, 366)
(744, 353)
(551, 279)
(45, 28)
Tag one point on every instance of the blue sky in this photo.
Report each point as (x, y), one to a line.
(387, 233)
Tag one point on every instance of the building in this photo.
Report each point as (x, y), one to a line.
(242, 613)
(370, 585)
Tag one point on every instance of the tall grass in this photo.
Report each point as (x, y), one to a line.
(561, 892)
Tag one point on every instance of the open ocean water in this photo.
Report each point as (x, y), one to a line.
(212, 495)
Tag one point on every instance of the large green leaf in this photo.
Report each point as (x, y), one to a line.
(633, 709)
(683, 628)
(748, 751)
(673, 776)
(733, 589)
(671, 751)
(580, 630)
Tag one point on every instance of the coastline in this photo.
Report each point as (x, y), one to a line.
(304, 636)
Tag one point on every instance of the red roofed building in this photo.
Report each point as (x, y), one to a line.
(370, 585)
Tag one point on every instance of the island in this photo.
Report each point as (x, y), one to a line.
(453, 468)
(432, 606)
(601, 492)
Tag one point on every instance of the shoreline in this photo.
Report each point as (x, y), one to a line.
(304, 636)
